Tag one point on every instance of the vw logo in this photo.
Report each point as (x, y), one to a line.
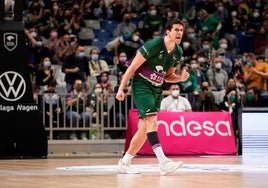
(12, 86)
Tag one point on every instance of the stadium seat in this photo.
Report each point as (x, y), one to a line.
(94, 24)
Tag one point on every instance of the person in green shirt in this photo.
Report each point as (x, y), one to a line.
(154, 63)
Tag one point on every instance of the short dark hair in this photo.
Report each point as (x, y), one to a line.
(52, 83)
(172, 22)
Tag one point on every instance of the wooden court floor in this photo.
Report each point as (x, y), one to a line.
(99, 170)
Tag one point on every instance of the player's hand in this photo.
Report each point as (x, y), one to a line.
(120, 95)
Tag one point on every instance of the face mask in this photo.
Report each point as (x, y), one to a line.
(257, 5)
(201, 60)
(218, 66)
(244, 59)
(81, 54)
(234, 13)
(125, 90)
(33, 34)
(98, 90)
(169, 14)
(250, 97)
(193, 66)
(135, 38)
(94, 57)
(256, 14)
(39, 43)
(191, 35)
(232, 98)
(47, 64)
(186, 44)
(104, 79)
(153, 12)
(175, 93)
(53, 34)
(223, 45)
(250, 64)
(122, 59)
(127, 20)
(205, 47)
(56, 7)
(220, 8)
(78, 88)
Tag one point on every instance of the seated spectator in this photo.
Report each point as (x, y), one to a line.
(122, 63)
(96, 65)
(125, 26)
(252, 98)
(260, 42)
(174, 102)
(129, 43)
(152, 21)
(227, 63)
(206, 100)
(217, 77)
(106, 83)
(76, 113)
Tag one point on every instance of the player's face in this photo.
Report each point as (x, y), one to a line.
(176, 33)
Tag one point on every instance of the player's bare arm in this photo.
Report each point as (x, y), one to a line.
(172, 77)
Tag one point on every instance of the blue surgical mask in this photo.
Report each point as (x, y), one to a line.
(244, 59)
(47, 64)
(39, 43)
(250, 64)
(191, 35)
(95, 57)
(205, 47)
(81, 54)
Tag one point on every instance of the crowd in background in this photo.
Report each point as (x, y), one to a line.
(224, 47)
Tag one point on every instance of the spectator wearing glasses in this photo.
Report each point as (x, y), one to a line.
(174, 102)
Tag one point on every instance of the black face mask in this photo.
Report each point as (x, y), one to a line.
(127, 20)
(125, 90)
(204, 88)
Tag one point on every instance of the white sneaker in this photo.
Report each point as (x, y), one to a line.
(124, 168)
(169, 166)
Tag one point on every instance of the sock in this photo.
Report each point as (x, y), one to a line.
(156, 146)
(127, 158)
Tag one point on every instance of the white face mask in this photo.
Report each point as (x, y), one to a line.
(201, 60)
(98, 90)
(175, 93)
(256, 14)
(186, 44)
(193, 66)
(153, 12)
(135, 38)
(33, 34)
(218, 66)
(234, 13)
(223, 45)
